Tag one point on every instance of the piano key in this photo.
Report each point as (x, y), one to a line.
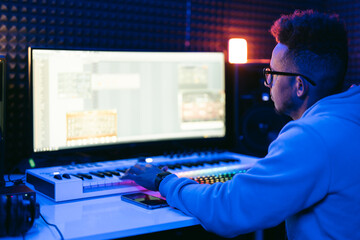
(98, 174)
(84, 175)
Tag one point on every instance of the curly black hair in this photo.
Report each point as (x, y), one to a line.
(317, 39)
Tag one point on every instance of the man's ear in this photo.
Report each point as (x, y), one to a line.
(302, 87)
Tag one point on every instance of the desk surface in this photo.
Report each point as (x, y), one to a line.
(102, 218)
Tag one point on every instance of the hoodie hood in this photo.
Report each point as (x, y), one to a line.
(347, 105)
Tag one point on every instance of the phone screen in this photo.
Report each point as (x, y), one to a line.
(144, 200)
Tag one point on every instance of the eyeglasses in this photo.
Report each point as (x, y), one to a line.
(268, 74)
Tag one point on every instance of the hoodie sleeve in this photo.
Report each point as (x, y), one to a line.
(293, 176)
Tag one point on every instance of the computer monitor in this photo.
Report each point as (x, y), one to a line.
(85, 99)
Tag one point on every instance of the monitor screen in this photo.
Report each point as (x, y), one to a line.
(91, 98)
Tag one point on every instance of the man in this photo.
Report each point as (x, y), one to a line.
(310, 176)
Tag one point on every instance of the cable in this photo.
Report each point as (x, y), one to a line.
(53, 225)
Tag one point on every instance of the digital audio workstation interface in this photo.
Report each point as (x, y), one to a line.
(85, 98)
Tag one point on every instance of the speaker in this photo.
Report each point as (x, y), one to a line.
(256, 122)
(18, 210)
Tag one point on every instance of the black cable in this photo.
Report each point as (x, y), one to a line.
(53, 225)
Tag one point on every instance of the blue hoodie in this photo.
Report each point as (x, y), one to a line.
(310, 178)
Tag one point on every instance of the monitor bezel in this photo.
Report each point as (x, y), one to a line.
(139, 148)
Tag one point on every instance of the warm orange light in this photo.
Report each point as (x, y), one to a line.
(237, 50)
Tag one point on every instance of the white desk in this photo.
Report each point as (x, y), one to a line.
(105, 218)
(102, 218)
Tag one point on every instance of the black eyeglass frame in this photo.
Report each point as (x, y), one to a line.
(269, 71)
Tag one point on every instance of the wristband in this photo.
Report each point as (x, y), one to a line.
(159, 178)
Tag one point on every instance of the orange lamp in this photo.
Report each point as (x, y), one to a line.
(237, 50)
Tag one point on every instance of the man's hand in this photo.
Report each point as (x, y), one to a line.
(144, 175)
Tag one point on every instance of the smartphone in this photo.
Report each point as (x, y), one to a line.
(144, 200)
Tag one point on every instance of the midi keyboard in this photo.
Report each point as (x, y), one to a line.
(69, 182)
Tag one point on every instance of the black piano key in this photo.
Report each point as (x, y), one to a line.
(188, 164)
(66, 175)
(58, 177)
(84, 175)
(98, 174)
(114, 173)
(78, 176)
(172, 167)
(108, 174)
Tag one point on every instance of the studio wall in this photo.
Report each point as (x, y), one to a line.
(168, 25)
(349, 10)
